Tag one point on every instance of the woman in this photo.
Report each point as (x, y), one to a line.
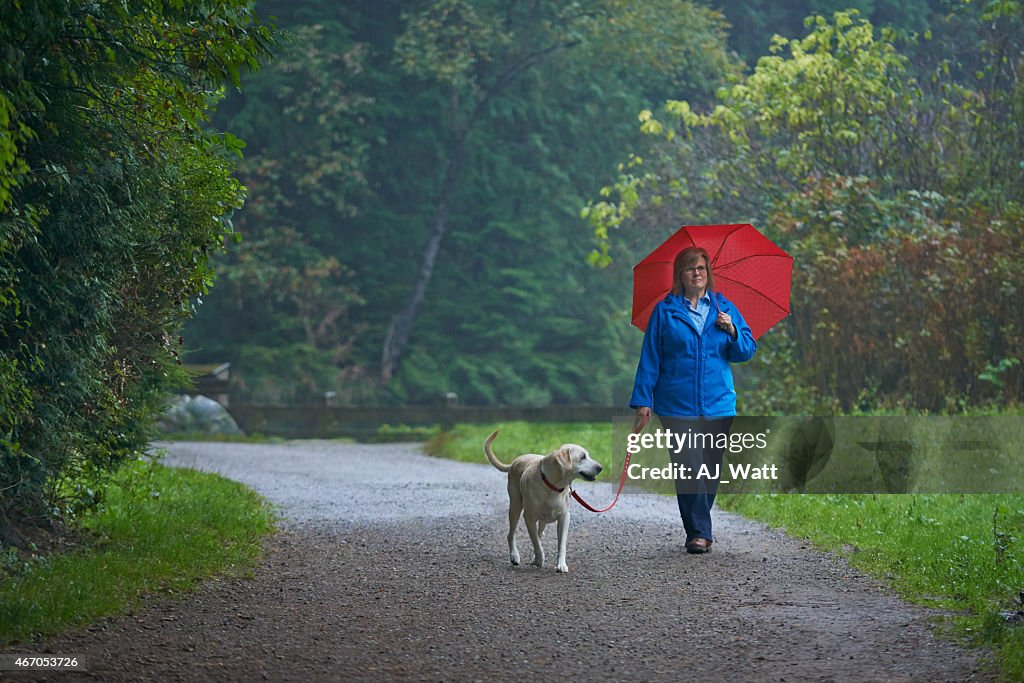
(684, 377)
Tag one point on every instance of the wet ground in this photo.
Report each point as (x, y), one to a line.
(392, 566)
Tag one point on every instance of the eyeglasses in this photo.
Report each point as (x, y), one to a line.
(696, 269)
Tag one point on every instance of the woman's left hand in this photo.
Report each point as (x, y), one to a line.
(724, 322)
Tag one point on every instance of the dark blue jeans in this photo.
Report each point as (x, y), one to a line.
(700, 454)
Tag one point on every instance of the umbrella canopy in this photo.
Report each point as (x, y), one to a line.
(749, 269)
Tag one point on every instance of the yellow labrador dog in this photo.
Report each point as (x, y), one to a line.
(538, 489)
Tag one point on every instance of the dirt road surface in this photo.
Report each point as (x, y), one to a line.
(392, 566)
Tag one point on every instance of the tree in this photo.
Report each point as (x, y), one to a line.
(476, 51)
(113, 196)
(871, 181)
(511, 255)
(841, 103)
(754, 22)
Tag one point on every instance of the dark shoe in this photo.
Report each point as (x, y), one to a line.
(698, 546)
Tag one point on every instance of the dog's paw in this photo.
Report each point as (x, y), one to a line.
(539, 562)
(514, 559)
(562, 568)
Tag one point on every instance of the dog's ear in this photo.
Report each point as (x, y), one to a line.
(564, 458)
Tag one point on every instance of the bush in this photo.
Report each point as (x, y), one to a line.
(112, 197)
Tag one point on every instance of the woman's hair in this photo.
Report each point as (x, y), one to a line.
(684, 259)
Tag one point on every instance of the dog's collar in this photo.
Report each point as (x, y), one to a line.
(549, 484)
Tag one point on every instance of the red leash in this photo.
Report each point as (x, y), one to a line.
(638, 426)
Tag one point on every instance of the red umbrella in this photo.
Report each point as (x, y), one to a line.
(749, 269)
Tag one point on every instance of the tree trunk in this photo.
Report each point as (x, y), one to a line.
(397, 340)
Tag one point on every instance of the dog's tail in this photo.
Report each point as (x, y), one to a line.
(490, 454)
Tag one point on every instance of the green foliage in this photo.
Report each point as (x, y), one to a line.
(480, 73)
(284, 288)
(837, 102)
(477, 47)
(466, 442)
(754, 22)
(451, 39)
(512, 314)
(114, 195)
(379, 122)
(994, 96)
(899, 203)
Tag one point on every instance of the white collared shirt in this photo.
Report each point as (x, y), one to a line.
(700, 314)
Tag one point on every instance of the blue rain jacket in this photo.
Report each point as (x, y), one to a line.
(685, 374)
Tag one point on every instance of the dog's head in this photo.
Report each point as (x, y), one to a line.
(576, 462)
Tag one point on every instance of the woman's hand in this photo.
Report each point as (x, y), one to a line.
(724, 322)
(643, 416)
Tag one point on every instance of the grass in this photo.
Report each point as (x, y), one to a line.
(159, 530)
(466, 442)
(963, 554)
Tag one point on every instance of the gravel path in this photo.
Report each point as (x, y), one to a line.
(392, 566)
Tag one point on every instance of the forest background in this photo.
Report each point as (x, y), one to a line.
(448, 195)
